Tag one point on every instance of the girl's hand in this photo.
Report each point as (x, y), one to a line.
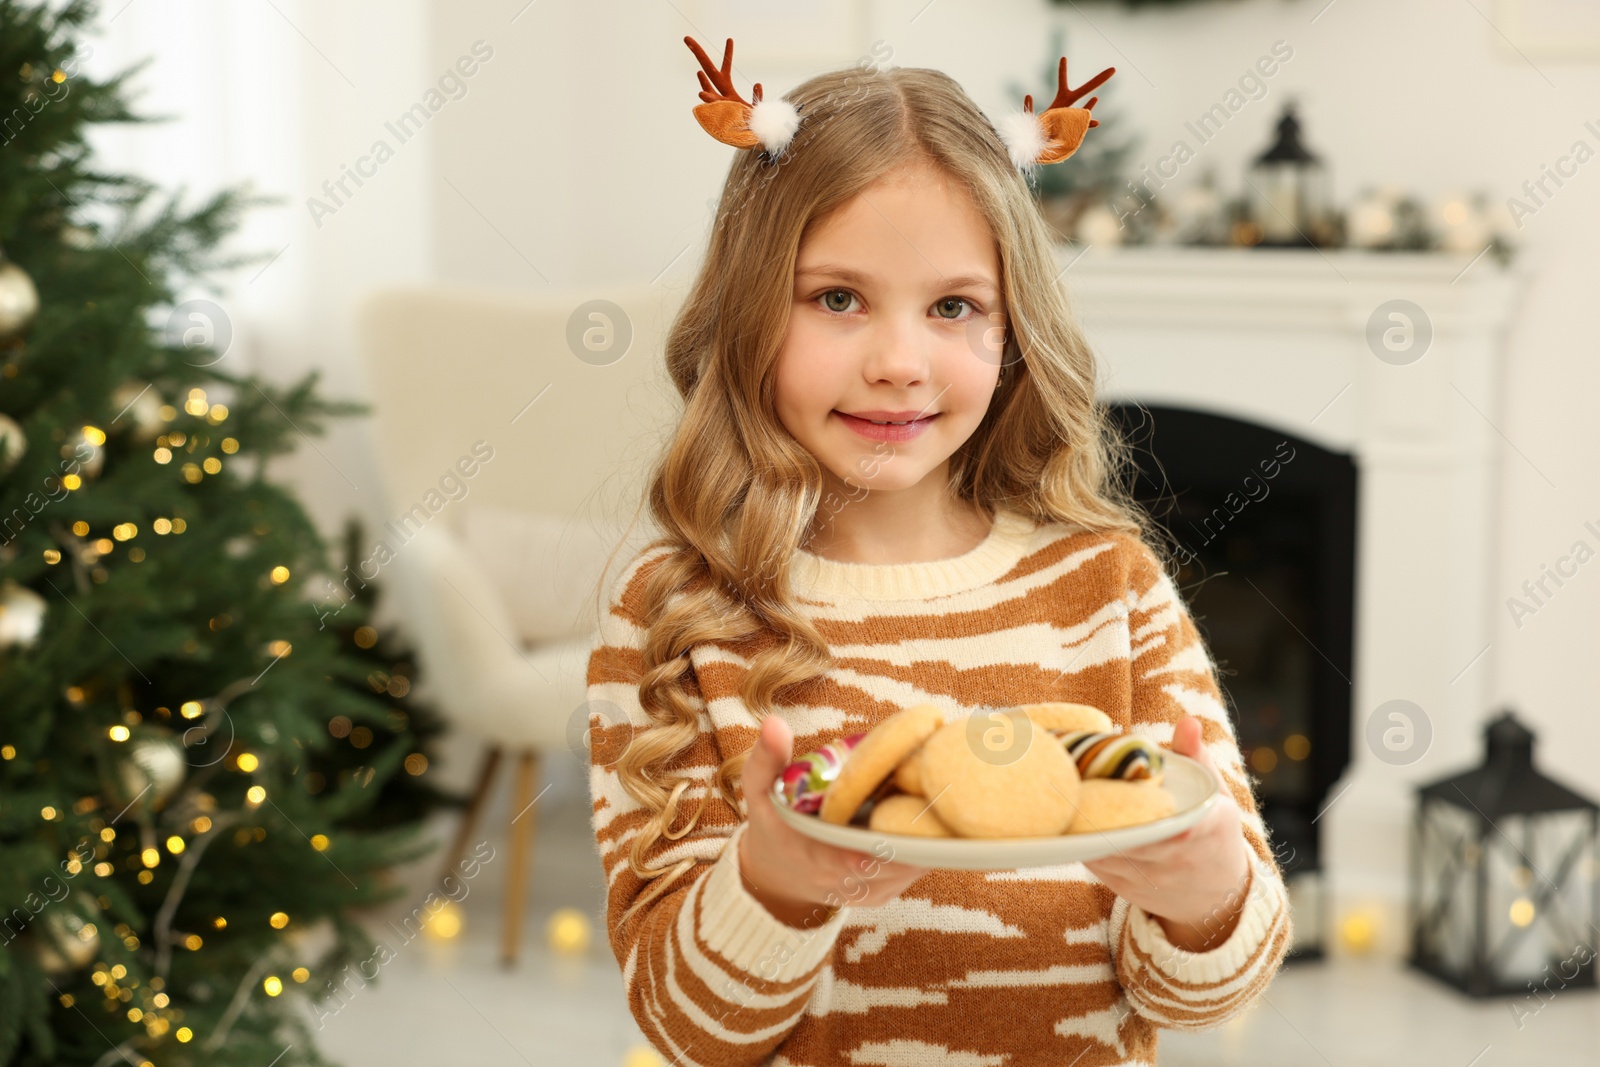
(1193, 884)
(794, 876)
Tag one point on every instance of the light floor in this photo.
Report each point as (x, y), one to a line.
(450, 1003)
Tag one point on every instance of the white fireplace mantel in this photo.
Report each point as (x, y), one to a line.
(1280, 338)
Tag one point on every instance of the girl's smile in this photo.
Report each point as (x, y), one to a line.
(887, 426)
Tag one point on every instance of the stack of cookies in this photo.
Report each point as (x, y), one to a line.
(1031, 771)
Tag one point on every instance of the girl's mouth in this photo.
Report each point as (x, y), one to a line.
(874, 431)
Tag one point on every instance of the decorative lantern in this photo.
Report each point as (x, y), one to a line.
(1289, 190)
(1504, 892)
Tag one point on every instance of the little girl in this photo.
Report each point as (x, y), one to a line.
(892, 485)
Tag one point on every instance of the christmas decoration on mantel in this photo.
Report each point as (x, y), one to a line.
(1505, 877)
(171, 874)
(1284, 201)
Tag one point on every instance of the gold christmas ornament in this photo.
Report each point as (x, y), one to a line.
(69, 943)
(13, 443)
(84, 447)
(138, 409)
(21, 615)
(19, 299)
(154, 762)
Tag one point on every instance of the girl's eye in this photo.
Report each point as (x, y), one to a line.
(838, 302)
(833, 293)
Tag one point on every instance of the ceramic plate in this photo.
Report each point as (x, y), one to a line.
(1190, 784)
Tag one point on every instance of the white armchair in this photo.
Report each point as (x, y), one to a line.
(497, 564)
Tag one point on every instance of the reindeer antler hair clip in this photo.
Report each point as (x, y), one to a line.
(1056, 134)
(1030, 139)
(732, 119)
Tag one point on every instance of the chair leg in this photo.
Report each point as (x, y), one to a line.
(469, 818)
(522, 825)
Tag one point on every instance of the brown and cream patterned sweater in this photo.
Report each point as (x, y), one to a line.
(1039, 967)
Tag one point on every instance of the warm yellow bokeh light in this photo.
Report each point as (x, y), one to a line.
(175, 844)
(118, 733)
(1263, 759)
(248, 761)
(642, 1056)
(568, 931)
(279, 920)
(445, 923)
(255, 794)
(273, 985)
(1357, 931)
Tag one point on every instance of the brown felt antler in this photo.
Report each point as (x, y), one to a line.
(1066, 97)
(725, 114)
(1064, 125)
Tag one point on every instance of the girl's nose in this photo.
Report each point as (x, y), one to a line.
(899, 352)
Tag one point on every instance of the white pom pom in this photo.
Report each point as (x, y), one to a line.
(774, 121)
(1024, 137)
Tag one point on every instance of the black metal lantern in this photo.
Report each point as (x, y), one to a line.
(1504, 894)
(1289, 190)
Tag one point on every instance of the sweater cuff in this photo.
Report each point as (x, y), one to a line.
(1264, 900)
(740, 929)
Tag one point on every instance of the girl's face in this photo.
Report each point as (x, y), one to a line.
(897, 315)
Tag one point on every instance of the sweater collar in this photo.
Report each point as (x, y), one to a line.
(816, 578)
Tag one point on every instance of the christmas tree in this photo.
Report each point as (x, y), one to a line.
(391, 672)
(185, 843)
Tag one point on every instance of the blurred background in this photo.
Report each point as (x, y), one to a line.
(1338, 262)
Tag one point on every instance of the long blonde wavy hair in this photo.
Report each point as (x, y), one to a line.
(733, 491)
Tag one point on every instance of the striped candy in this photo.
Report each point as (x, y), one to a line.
(1100, 755)
(807, 778)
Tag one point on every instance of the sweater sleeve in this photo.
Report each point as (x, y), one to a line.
(1173, 676)
(711, 976)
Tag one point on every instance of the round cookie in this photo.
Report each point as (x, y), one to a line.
(908, 775)
(875, 756)
(1064, 716)
(1028, 789)
(1110, 803)
(907, 814)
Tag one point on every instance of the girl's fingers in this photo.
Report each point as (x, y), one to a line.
(773, 750)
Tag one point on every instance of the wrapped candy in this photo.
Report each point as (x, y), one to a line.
(1126, 756)
(807, 778)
